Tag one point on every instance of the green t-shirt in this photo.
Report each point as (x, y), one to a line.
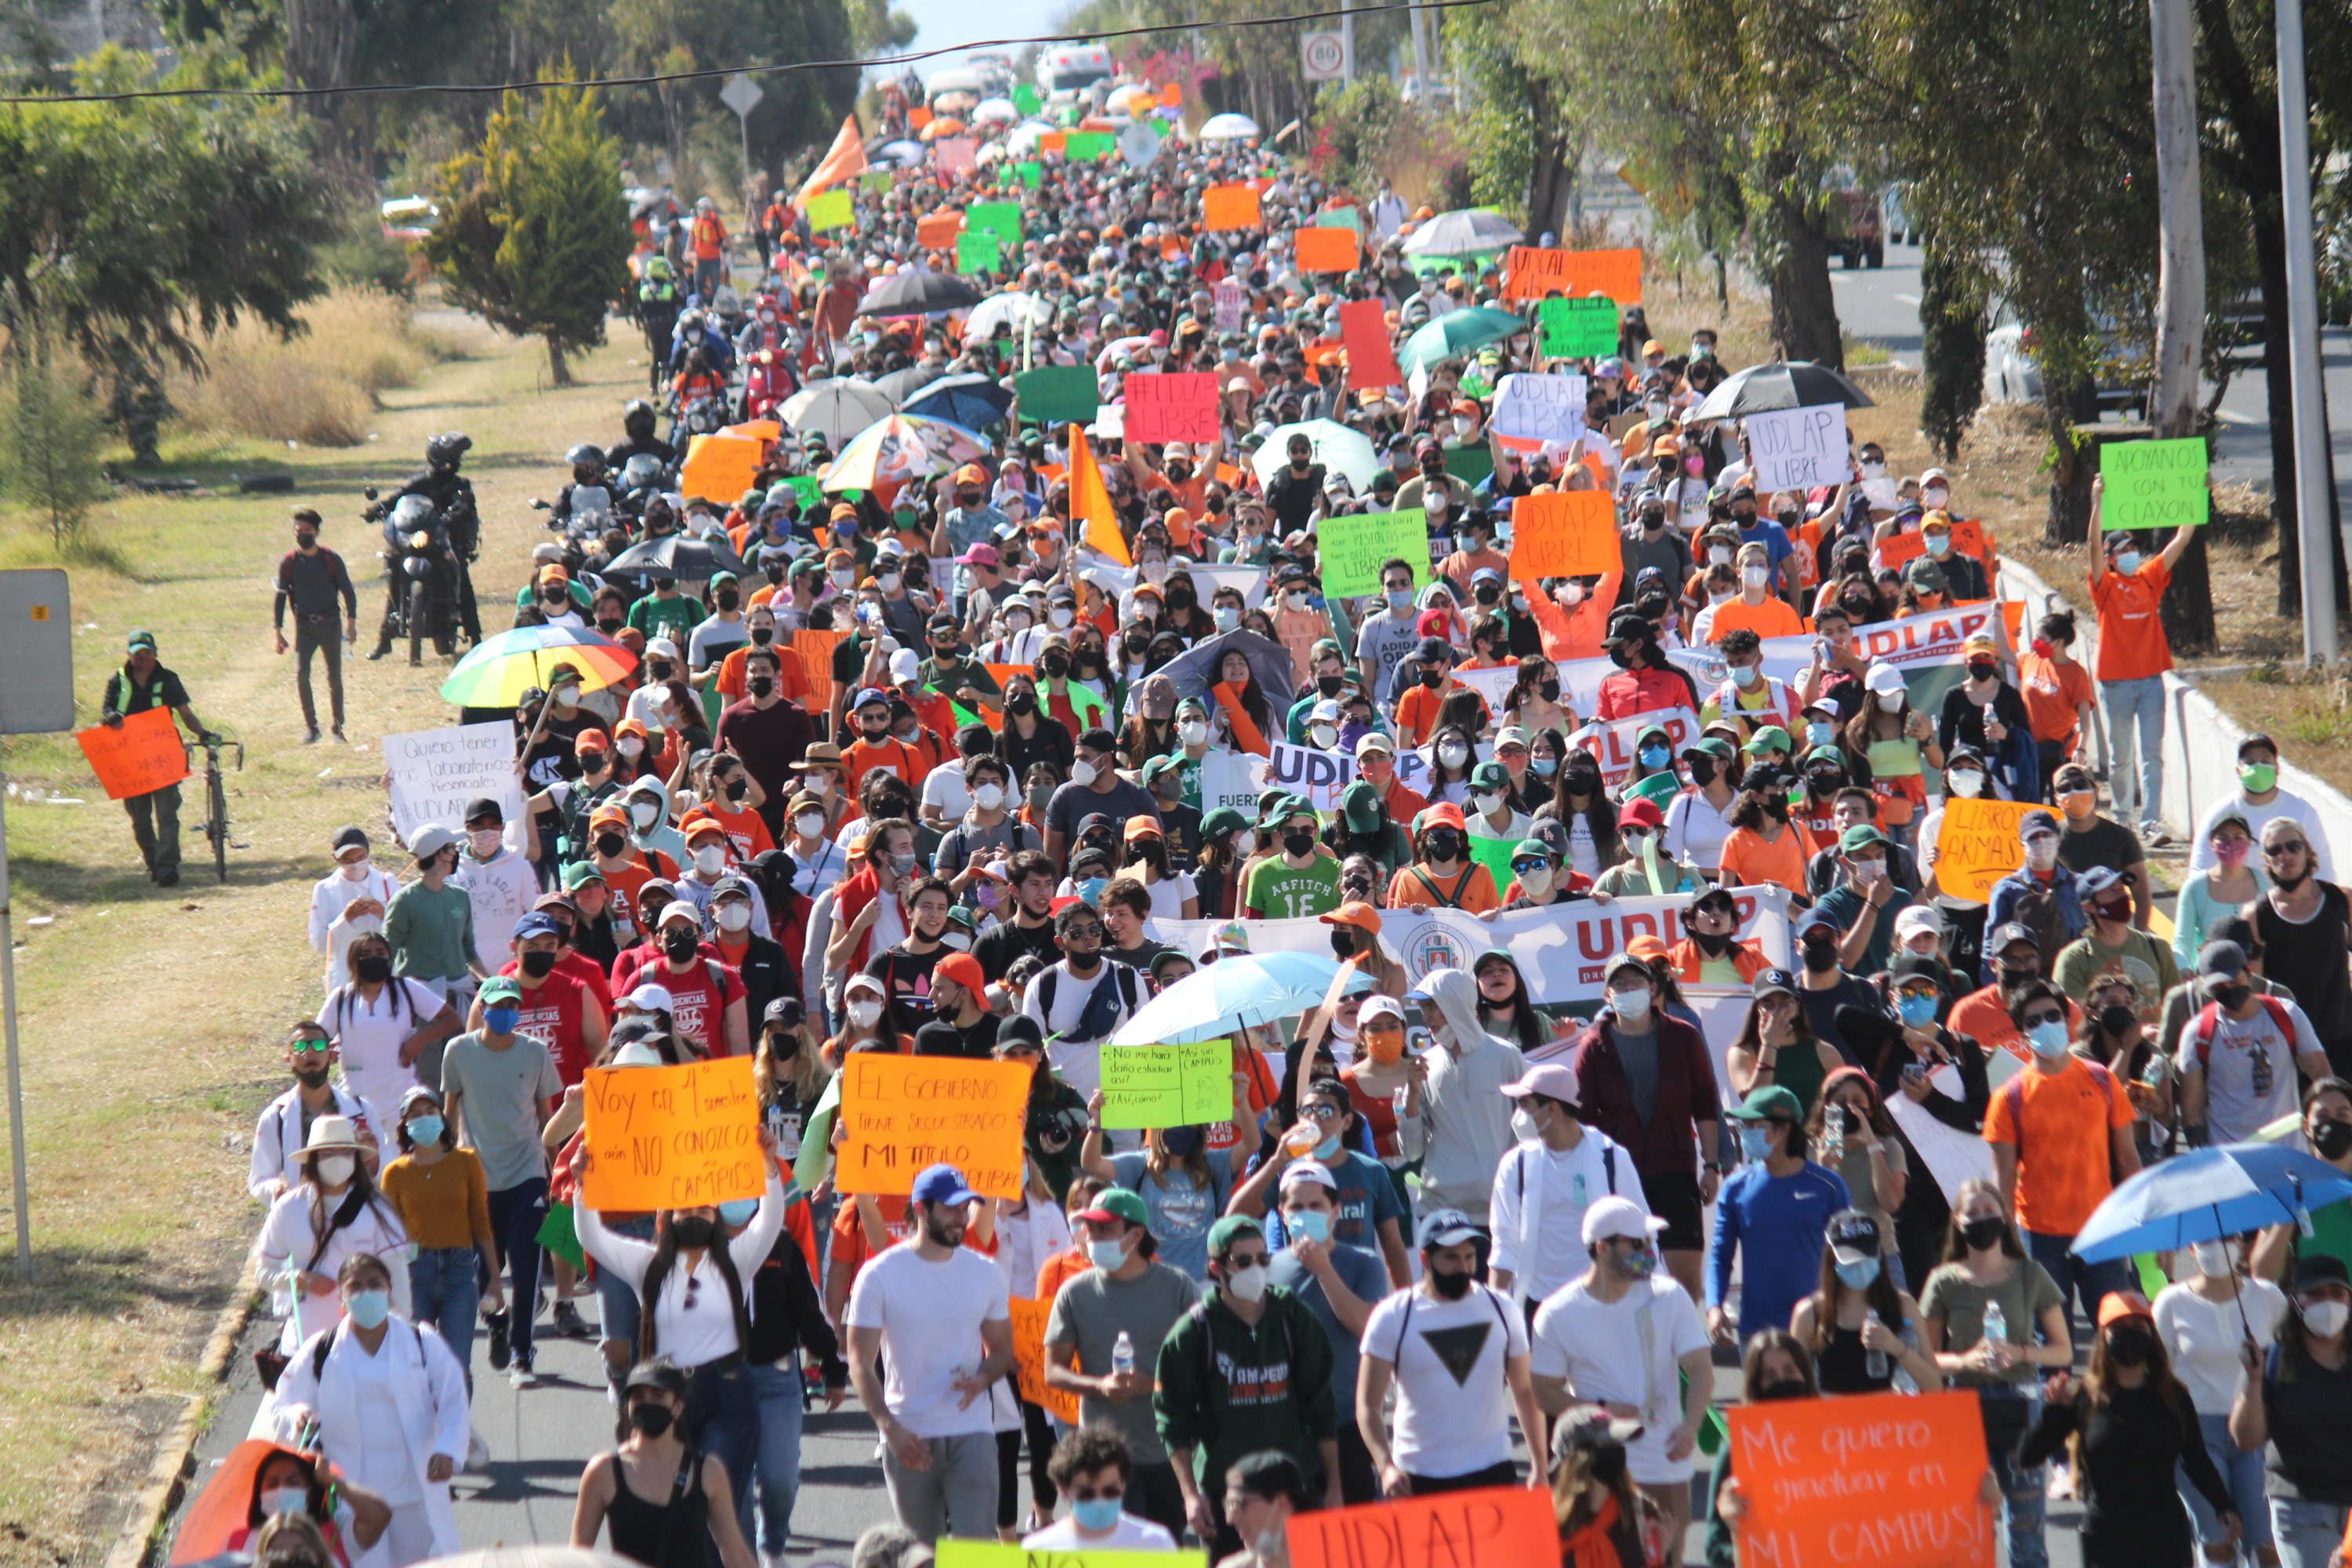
(673, 619)
(2331, 1233)
(1276, 893)
(1960, 1300)
(431, 931)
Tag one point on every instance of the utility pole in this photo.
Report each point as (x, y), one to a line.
(2180, 276)
(1419, 52)
(1348, 41)
(2314, 505)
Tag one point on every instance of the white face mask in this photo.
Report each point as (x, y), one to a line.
(1453, 753)
(1934, 497)
(1249, 1284)
(567, 696)
(1719, 598)
(1059, 617)
(1245, 842)
(1869, 871)
(2213, 1258)
(2326, 1318)
(1324, 736)
(710, 859)
(1536, 883)
(1966, 783)
(1295, 601)
(1719, 555)
(988, 798)
(334, 1170)
(1755, 576)
(486, 841)
(631, 748)
(645, 813)
(865, 1014)
(1083, 772)
(2041, 853)
(734, 917)
(1524, 1128)
(1015, 625)
(1490, 803)
(842, 579)
(1192, 733)
(286, 1499)
(1632, 1005)
(887, 582)
(820, 783)
(1890, 701)
(809, 823)
(355, 872)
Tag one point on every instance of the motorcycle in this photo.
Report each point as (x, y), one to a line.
(698, 415)
(767, 381)
(424, 573)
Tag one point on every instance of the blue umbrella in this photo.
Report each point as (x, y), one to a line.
(970, 401)
(2205, 1195)
(1239, 989)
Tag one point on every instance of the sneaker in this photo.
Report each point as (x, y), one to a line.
(499, 1352)
(569, 1323)
(310, 737)
(2154, 836)
(522, 1376)
(337, 731)
(478, 1453)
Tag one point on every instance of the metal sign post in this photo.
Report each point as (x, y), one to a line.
(743, 95)
(37, 649)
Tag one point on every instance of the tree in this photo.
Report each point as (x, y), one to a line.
(535, 232)
(1952, 326)
(52, 430)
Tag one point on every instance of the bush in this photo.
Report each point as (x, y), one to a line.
(361, 257)
(52, 429)
(319, 387)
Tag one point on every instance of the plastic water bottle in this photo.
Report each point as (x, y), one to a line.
(1833, 1126)
(1874, 1360)
(1996, 1322)
(1122, 1355)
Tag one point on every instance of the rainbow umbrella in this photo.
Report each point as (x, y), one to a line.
(905, 446)
(498, 672)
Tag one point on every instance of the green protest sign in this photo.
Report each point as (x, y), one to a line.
(807, 487)
(1352, 549)
(1084, 146)
(1572, 327)
(875, 179)
(1026, 99)
(976, 252)
(1056, 394)
(1032, 174)
(1001, 219)
(1469, 464)
(2154, 484)
(1168, 1086)
(830, 210)
(1494, 854)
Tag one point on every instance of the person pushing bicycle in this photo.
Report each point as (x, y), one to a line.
(142, 683)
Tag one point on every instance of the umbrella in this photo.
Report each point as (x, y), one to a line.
(970, 401)
(837, 407)
(920, 291)
(1784, 383)
(498, 672)
(1130, 345)
(996, 111)
(902, 385)
(1459, 333)
(1228, 128)
(901, 448)
(1239, 989)
(219, 1514)
(2205, 1194)
(1007, 308)
(1196, 670)
(907, 153)
(1022, 139)
(674, 555)
(1463, 233)
(1336, 447)
(1121, 98)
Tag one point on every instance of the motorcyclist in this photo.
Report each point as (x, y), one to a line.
(410, 516)
(658, 314)
(451, 495)
(701, 382)
(640, 422)
(694, 330)
(590, 493)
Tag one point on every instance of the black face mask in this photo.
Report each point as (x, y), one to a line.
(1343, 942)
(760, 685)
(1488, 594)
(661, 669)
(1980, 1234)
(692, 1230)
(2233, 997)
(2129, 1346)
(2115, 1018)
(1022, 702)
(1444, 844)
(1056, 668)
(728, 598)
(1450, 1284)
(2332, 1139)
(1702, 769)
(1744, 519)
(1433, 678)
(1820, 956)
(738, 788)
(1329, 685)
(2013, 975)
(374, 969)
(1788, 1388)
(763, 636)
(1298, 843)
(1581, 781)
(1548, 689)
(611, 628)
(610, 844)
(538, 965)
(1983, 669)
(680, 944)
(592, 761)
(652, 1419)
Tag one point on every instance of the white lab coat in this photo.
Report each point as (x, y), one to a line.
(413, 1377)
(503, 889)
(278, 1138)
(285, 1241)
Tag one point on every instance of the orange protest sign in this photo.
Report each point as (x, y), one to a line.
(917, 117)
(816, 649)
(720, 468)
(1364, 328)
(938, 231)
(901, 1114)
(1977, 845)
(1171, 95)
(1053, 142)
(1029, 1319)
(1230, 206)
(139, 758)
(1326, 250)
(1533, 273)
(1867, 1481)
(1569, 533)
(668, 1138)
(1493, 1524)
(1967, 537)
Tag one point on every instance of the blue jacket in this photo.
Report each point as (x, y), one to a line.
(2011, 889)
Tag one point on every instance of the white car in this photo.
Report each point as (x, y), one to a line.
(2009, 374)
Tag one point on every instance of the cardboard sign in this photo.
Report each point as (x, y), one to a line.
(1574, 328)
(1230, 206)
(2154, 484)
(991, 1554)
(831, 210)
(1569, 533)
(1494, 854)
(1533, 273)
(1232, 300)
(145, 754)
(977, 252)
(1057, 394)
(816, 649)
(1326, 249)
(1001, 219)
(1026, 99)
(666, 1138)
(1540, 408)
(431, 775)
(1864, 1481)
(902, 1114)
(1172, 406)
(1798, 448)
(1352, 549)
(720, 468)
(1611, 740)
(938, 231)
(1087, 147)
(1493, 1525)
(1168, 1086)
(1364, 329)
(1897, 550)
(1977, 845)
(956, 154)
(1029, 1320)
(1230, 780)
(1032, 175)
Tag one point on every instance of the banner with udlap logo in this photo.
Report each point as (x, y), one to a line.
(1563, 949)
(1611, 740)
(1867, 1480)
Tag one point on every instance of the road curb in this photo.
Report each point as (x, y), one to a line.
(167, 1476)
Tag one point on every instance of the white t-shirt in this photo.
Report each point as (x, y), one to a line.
(2202, 1337)
(1536, 1215)
(367, 1040)
(931, 1316)
(1133, 1534)
(1452, 1404)
(943, 787)
(503, 889)
(1606, 1356)
(1168, 893)
(1695, 830)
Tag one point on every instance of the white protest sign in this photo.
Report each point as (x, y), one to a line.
(1563, 949)
(1611, 740)
(1951, 1155)
(435, 774)
(1494, 685)
(1249, 580)
(1797, 449)
(1230, 299)
(1540, 407)
(1232, 780)
(1323, 776)
(1579, 683)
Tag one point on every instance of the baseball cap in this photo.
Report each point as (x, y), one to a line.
(1770, 1102)
(943, 1184)
(1853, 1235)
(1615, 1216)
(1309, 1171)
(499, 988)
(1445, 1228)
(536, 924)
(2221, 961)
(2009, 935)
(1550, 1079)
(1222, 1235)
(2123, 1304)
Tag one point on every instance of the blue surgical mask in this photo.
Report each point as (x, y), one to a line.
(2048, 1038)
(1328, 1150)
(1655, 757)
(501, 1020)
(369, 1309)
(1858, 1275)
(1746, 674)
(1312, 1223)
(1939, 545)
(1918, 1012)
(1226, 618)
(1757, 1143)
(1096, 1516)
(1545, 767)
(1820, 733)
(1090, 890)
(1401, 600)
(2127, 562)
(739, 1211)
(425, 1128)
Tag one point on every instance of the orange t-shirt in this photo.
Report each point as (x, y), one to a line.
(792, 675)
(745, 834)
(2053, 694)
(621, 886)
(2059, 1124)
(1773, 619)
(863, 756)
(1471, 888)
(1416, 714)
(1749, 862)
(2132, 644)
(1983, 1016)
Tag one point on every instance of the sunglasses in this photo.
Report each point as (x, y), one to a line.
(321, 1046)
(2035, 1020)
(2273, 851)
(1080, 931)
(1321, 1112)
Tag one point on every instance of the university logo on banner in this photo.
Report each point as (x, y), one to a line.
(1611, 740)
(1563, 950)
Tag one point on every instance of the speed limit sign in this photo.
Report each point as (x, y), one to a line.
(1325, 55)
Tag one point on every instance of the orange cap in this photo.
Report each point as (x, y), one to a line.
(1354, 913)
(2123, 1304)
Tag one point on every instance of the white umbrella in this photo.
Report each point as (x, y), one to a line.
(1338, 449)
(996, 111)
(1022, 139)
(1122, 98)
(1468, 231)
(905, 154)
(838, 408)
(1007, 308)
(1228, 127)
(1240, 988)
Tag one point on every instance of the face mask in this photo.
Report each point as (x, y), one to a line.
(1535, 884)
(1918, 1012)
(1755, 576)
(738, 1211)
(1719, 600)
(710, 859)
(567, 696)
(866, 1014)
(1226, 617)
(2129, 1346)
(2048, 1038)
(1247, 1284)
(1490, 803)
(1868, 871)
(1719, 555)
(1632, 1005)
(1453, 754)
(357, 871)
(1083, 772)
(887, 582)
(1323, 736)
(1545, 767)
(734, 917)
(1245, 843)
(652, 1419)
(334, 1170)
(369, 1309)
(1192, 733)
(2213, 1258)
(1966, 783)
(681, 943)
(2326, 1318)
(1655, 757)
(1757, 1143)
(2332, 1139)
(285, 1499)
(1890, 701)
(1981, 1235)
(501, 1020)
(1096, 1516)
(1524, 1128)
(425, 1128)
(1400, 598)
(1745, 674)
(1820, 733)
(1858, 1275)
(538, 965)
(2041, 853)
(2127, 562)
(645, 813)
(2257, 778)
(1819, 957)
(373, 969)
(1939, 545)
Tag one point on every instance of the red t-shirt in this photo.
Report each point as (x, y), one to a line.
(551, 1011)
(579, 967)
(699, 998)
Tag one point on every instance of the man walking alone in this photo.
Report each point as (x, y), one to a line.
(312, 578)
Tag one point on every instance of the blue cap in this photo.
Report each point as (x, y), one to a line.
(871, 694)
(943, 1184)
(536, 924)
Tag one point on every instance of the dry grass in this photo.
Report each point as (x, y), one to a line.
(319, 388)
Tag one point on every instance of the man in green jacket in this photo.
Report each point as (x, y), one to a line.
(1249, 1368)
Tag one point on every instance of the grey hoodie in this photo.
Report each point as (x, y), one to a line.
(1467, 1115)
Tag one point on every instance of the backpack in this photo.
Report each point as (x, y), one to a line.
(2208, 1023)
(1101, 1010)
(1608, 1168)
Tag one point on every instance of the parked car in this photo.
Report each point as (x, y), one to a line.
(1857, 228)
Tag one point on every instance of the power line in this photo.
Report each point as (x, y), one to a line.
(603, 82)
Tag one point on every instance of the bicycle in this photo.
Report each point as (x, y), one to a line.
(215, 796)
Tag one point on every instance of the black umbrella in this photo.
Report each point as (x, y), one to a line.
(970, 401)
(1196, 670)
(676, 555)
(1784, 383)
(902, 384)
(919, 292)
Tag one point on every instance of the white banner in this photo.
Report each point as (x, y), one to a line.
(1562, 948)
(1249, 580)
(1799, 448)
(1494, 685)
(1540, 407)
(1611, 740)
(433, 775)
(1231, 779)
(1321, 776)
(1911, 644)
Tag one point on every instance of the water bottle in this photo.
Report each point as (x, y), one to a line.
(1874, 1360)
(1833, 1129)
(1996, 1322)
(1122, 1354)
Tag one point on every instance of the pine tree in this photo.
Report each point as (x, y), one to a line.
(1952, 323)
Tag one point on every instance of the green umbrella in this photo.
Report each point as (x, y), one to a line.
(1458, 332)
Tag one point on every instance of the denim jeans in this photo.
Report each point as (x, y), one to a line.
(2135, 712)
(723, 1419)
(2093, 1282)
(516, 1214)
(2007, 1414)
(445, 1290)
(619, 1319)
(782, 1403)
(2306, 1533)
(2242, 1473)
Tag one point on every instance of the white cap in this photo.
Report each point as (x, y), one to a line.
(1620, 1216)
(651, 999)
(1176, 449)
(1917, 917)
(661, 648)
(904, 665)
(1309, 1171)
(1884, 678)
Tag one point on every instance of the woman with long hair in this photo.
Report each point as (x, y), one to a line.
(1175, 895)
(1226, 839)
(1774, 1366)
(1055, 1119)
(1603, 1521)
(335, 1212)
(2126, 1426)
(1546, 749)
(864, 1026)
(1151, 728)
(1777, 1047)
(2212, 895)
(1763, 848)
(1852, 1134)
(442, 1199)
(1182, 1183)
(697, 1507)
(2297, 1401)
(2114, 1036)
(1248, 717)
(1452, 756)
(1899, 741)
(1860, 1325)
(1583, 808)
(788, 1069)
(1032, 736)
(1505, 1006)
(2202, 1321)
(1534, 701)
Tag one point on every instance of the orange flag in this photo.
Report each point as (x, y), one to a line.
(846, 159)
(1090, 500)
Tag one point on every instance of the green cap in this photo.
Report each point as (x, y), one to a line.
(1861, 835)
(1360, 805)
(1278, 804)
(1221, 821)
(1770, 738)
(1166, 762)
(138, 640)
(1222, 1234)
(580, 873)
(499, 988)
(1528, 847)
(718, 578)
(1771, 1103)
(1489, 777)
(1714, 746)
(1119, 1202)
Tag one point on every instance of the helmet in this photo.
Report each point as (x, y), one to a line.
(444, 450)
(638, 418)
(585, 456)
(691, 321)
(641, 471)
